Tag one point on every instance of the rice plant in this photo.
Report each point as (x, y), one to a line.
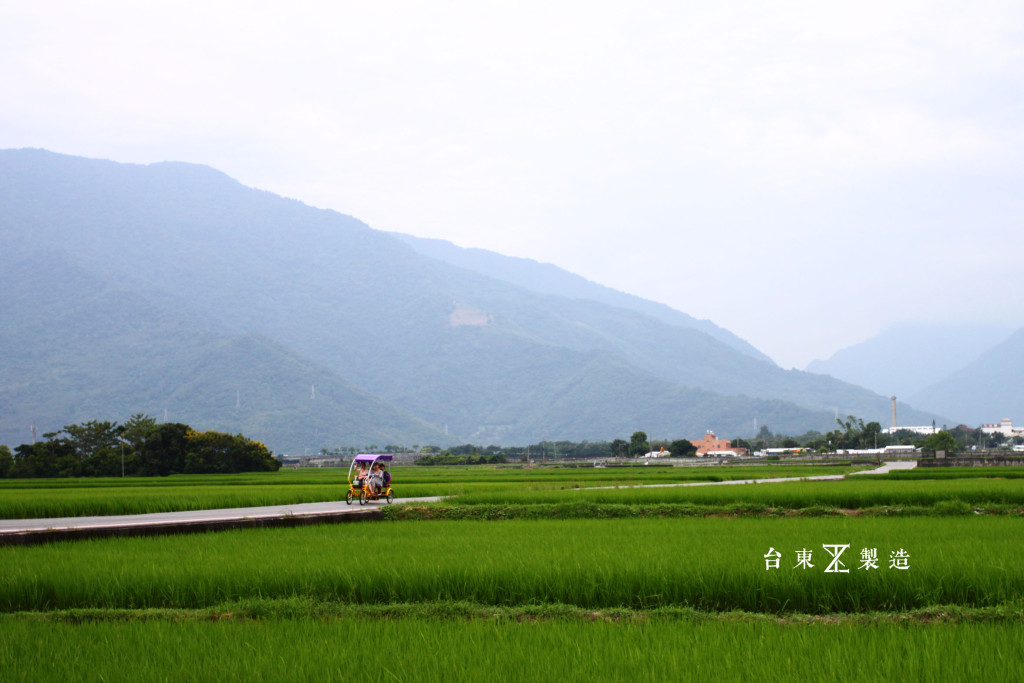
(848, 493)
(25, 499)
(708, 564)
(475, 650)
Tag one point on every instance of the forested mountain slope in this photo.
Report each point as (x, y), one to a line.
(986, 390)
(75, 347)
(904, 359)
(228, 272)
(546, 278)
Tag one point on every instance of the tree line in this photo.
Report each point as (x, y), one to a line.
(637, 446)
(461, 459)
(853, 433)
(139, 447)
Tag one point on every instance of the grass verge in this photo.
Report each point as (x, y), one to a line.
(491, 512)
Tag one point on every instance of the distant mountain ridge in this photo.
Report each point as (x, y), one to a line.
(906, 358)
(192, 287)
(987, 389)
(116, 353)
(546, 278)
(962, 370)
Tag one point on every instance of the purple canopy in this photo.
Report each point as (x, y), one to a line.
(370, 457)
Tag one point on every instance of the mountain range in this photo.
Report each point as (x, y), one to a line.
(548, 279)
(987, 389)
(970, 371)
(173, 290)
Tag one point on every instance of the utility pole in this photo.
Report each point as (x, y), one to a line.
(120, 440)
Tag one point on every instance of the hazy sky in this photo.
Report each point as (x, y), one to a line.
(801, 173)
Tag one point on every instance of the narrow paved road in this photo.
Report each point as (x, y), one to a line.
(56, 528)
(125, 525)
(774, 480)
(892, 465)
(886, 467)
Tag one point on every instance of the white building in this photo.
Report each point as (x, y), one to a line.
(926, 429)
(1004, 427)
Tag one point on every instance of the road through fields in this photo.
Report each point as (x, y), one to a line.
(22, 530)
(883, 469)
(57, 528)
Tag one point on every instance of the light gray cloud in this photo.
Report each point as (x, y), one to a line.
(803, 173)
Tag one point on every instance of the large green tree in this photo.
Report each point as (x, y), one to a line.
(164, 450)
(216, 452)
(872, 436)
(6, 460)
(638, 444)
(135, 430)
(89, 449)
(940, 441)
(89, 438)
(49, 458)
(682, 448)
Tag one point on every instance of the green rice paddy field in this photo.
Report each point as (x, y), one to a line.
(850, 493)
(537, 598)
(418, 649)
(24, 499)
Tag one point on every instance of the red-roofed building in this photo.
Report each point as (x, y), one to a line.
(712, 444)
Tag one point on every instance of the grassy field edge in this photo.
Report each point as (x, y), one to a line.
(583, 510)
(304, 608)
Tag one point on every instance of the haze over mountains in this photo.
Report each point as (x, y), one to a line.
(987, 389)
(904, 359)
(971, 371)
(548, 279)
(170, 289)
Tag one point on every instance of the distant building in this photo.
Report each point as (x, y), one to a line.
(712, 445)
(926, 429)
(1004, 427)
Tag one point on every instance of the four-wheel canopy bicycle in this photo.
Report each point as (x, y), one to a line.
(362, 487)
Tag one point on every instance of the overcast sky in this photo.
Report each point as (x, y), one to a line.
(801, 173)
